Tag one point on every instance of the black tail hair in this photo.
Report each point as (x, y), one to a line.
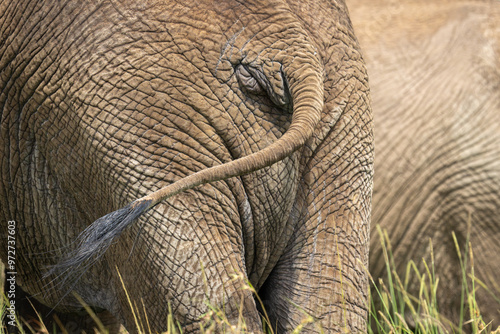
(93, 242)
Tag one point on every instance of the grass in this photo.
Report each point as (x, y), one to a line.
(391, 305)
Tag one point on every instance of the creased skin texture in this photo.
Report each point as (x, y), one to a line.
(435, 80)
(104, 102)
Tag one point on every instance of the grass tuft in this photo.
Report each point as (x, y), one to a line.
(392, 306)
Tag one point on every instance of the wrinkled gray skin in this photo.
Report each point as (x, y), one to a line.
(434, 69)
(104, 102)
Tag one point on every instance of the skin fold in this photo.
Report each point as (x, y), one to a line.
(104, 103)
(435, 77)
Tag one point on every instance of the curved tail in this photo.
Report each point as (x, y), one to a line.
(307, 94)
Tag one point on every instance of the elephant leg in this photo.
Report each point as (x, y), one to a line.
(188, 261)
(324, 268)
(323, 272)
(31, 311)
(318, 276)
(81, 322)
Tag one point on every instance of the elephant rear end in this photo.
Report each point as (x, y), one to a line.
(183, 149)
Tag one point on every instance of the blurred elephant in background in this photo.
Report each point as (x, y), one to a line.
(434, 69)
(204, 139)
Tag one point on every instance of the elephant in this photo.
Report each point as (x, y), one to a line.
(157, 150)
(435, 84)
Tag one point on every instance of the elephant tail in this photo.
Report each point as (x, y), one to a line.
(306, 88)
